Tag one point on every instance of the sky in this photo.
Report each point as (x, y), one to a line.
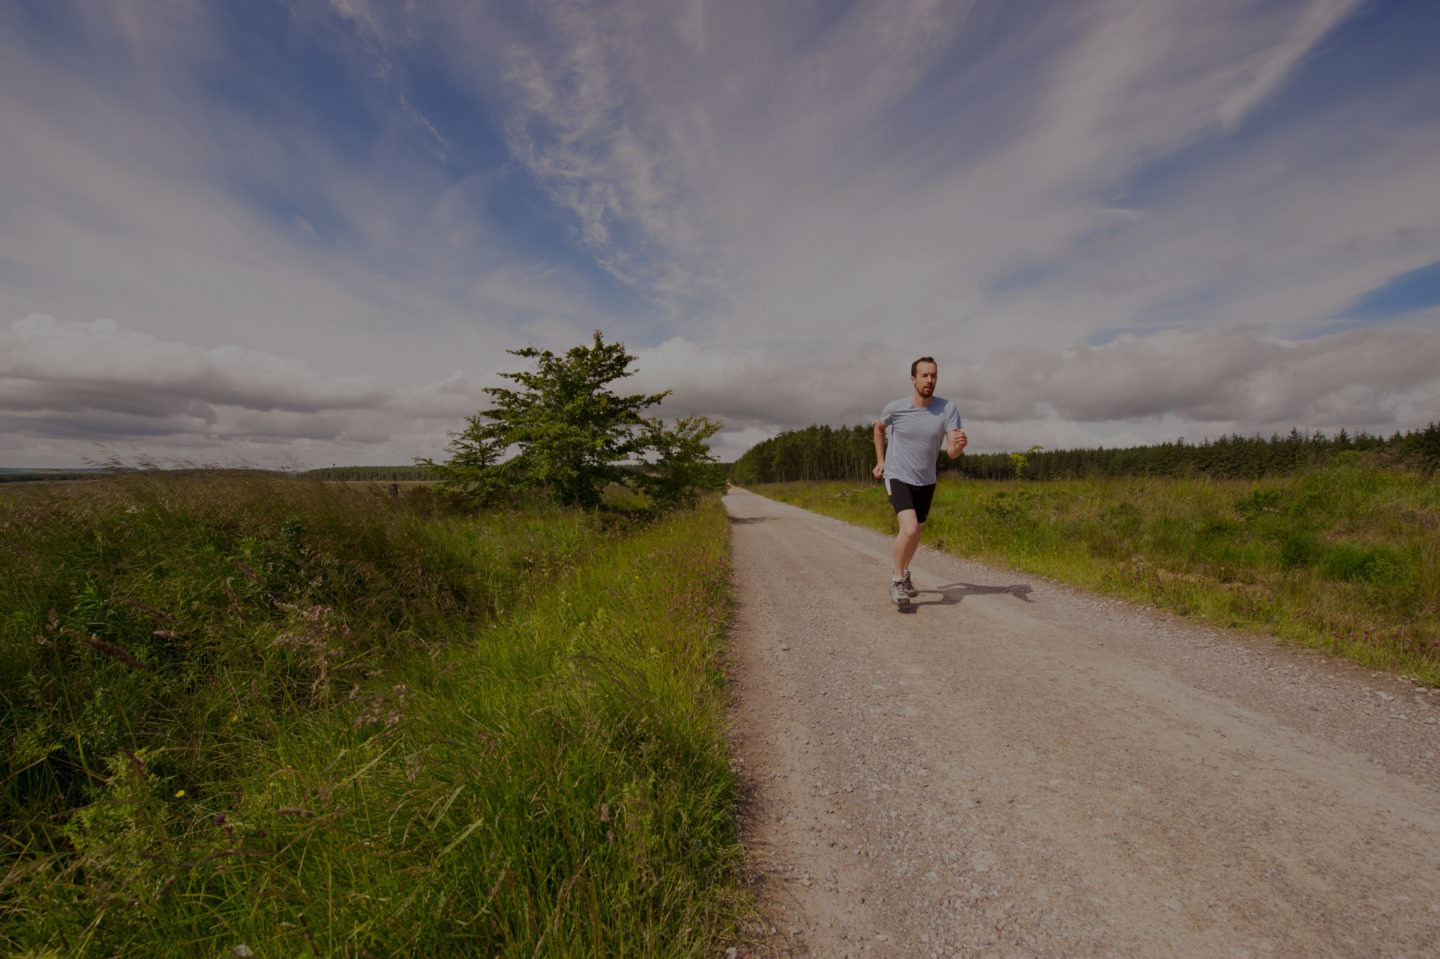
(297, 233)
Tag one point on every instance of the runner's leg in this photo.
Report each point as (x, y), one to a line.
(907, 541)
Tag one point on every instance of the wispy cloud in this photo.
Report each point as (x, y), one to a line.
(1111, 220)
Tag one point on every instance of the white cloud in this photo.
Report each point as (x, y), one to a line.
(82, 384)
(1110, 220)
(136, 198)
(1223, 375)
(1261, 74)
(40, 352)
(1142, 387)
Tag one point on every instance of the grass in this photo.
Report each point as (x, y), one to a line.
(1344, 559)
(252, 715)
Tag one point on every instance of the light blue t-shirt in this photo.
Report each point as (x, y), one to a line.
(916, 435)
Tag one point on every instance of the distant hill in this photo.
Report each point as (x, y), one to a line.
(21, 474)
(389, 474)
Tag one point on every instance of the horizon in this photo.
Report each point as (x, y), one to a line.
(1314, 435)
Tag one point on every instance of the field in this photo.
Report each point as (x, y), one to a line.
(253, 715)
(1344, 559)
(250, 714)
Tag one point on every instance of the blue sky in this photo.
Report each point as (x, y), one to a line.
(303, 232)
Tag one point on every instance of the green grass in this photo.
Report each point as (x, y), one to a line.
(1345, 559)
(315, 720)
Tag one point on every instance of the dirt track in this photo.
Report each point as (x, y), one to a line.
(1018, 769)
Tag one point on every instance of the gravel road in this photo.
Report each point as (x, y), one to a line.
(1015, 768)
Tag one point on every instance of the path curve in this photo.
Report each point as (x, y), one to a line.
(1016, 768)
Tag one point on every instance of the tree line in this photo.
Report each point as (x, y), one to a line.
(847, 453)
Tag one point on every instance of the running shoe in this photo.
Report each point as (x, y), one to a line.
(908, 586)
(897, 593)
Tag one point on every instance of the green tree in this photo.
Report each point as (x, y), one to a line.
(564, 430)
(684, 466)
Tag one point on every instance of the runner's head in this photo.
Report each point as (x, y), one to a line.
(923, 374)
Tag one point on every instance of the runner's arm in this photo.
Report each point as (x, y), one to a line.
(955, 434)
(955, 443)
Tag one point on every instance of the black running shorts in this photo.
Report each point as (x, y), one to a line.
(903, 496)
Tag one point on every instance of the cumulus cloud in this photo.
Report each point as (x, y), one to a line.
(1225, 375)
(106, 384)
(1200, 382)
(51, 363)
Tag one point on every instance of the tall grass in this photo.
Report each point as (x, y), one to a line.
(1344, 559)
(288, 718)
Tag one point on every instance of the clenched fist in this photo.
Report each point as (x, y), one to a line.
(957, 441)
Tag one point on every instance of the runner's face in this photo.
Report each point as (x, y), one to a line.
(924, 379)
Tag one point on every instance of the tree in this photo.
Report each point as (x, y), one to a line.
(683, 464)
(564, 430)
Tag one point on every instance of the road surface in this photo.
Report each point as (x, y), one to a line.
(1015, 768)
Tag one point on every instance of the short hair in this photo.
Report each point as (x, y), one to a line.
(914, 367)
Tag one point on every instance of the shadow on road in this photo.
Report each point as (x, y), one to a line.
(955, 592)
(746, 520)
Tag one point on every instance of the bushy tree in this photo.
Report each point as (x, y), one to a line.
(683, 465)
(563, 429)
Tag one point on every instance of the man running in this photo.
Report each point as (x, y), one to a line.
(918, 427)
